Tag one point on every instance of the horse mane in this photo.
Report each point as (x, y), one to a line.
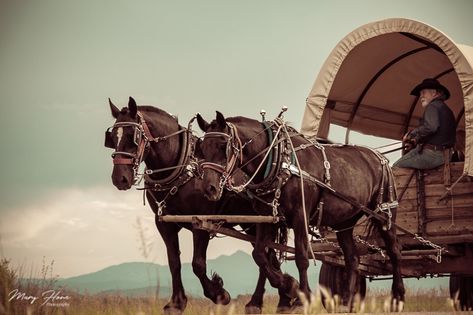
(152, 109)
(240, 119)
(234, 120)
(149, 109)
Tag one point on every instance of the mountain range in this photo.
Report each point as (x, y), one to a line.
(238, 271)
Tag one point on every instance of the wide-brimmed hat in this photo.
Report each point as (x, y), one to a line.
(430, 84)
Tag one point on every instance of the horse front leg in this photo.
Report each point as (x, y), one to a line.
(255, 305)
(286, 285)
(169, 233)
(350, 254)
(393, 250)
(213, 288)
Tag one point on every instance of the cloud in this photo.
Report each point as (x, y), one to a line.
(84, 230)
(74, 208)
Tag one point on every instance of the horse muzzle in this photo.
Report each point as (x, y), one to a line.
(122, 178)
(213, 192)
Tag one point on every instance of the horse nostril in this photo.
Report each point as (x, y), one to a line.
(124, 180)
(212, 190)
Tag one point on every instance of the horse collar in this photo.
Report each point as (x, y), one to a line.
(182, 172)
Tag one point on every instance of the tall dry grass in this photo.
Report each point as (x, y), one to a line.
(376, 302)
(32, 285)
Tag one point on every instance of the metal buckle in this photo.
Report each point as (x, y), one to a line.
(137, 135)
(327, 165)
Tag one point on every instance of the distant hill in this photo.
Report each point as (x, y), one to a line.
(238, 271)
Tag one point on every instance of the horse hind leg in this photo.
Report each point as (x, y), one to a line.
(286, 285)
(255, 305)
(346, 242)
(393, 250)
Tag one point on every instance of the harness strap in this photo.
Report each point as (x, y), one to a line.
(270, 156)
(327, 165)
(123, 161)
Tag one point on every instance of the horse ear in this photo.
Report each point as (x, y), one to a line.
(203, 124)
(221, 122)
(132, 107)
(114, 109)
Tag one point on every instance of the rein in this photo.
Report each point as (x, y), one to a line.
(234, 152)
(268, 150)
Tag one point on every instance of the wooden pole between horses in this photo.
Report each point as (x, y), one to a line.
(216, 218)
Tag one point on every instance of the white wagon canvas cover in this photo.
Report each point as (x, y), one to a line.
(365, 83)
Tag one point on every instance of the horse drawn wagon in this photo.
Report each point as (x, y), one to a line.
(363, 86)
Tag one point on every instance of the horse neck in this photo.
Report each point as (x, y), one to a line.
(164, 153)
(249, 129)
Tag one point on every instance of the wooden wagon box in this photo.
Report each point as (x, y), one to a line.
(428, 209)
(421, 210)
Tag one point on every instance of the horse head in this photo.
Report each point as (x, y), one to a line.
(126, 136)
(219, 152)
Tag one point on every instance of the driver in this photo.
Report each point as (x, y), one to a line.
(436, 132)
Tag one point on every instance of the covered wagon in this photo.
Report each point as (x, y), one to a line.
(364, 86)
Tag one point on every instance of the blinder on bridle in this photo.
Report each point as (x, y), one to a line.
(108, 138)
(140, 139)
(137, 134)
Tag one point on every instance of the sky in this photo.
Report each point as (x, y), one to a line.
(61, 59)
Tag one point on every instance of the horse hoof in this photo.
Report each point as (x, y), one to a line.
(223, 299)
(293, 288)
(252, 309)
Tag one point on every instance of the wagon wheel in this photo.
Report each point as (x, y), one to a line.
(332, 278)
(461, 292)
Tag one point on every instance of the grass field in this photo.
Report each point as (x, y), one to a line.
(42, 297)
(419, 302)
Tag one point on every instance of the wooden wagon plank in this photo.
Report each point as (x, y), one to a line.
(458, 201)
(445, 227)
(444, 213)
(431, 203)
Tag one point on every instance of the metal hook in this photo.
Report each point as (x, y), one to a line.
(263, 114)
(283, 110)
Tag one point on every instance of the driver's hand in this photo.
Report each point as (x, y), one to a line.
(406, 138)
(409, 142)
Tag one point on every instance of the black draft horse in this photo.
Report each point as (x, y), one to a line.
(357, 172)
(146, 133)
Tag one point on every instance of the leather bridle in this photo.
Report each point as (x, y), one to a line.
(142, 138)
(233, 153)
